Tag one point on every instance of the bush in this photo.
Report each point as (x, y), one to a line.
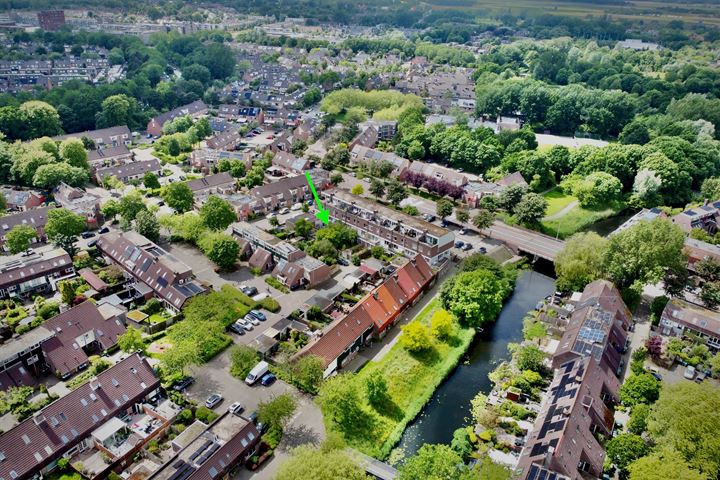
(270, 304)
(205, 415)
(275, 283)
(185, 416)
(656, 308)
(242, 360)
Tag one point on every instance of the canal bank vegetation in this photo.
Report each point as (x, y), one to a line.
(371, 409)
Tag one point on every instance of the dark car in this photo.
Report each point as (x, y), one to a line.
(249, 290)
(183, 384)
(87, 234)
(459, 244)
(267, 379)
(483, 250)
(342, 262)
(235, 328)
(104, 230)
(253, 417)
(467, 246)
(258, 314)
(92, 243)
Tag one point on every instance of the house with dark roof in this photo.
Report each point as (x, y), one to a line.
(228, 442)
(207, 159)
(371, 316)
(705, 217)
(129, 171)
(194, 109)
(563, 442)
(171, 280)
(36, 273)
(77, 333)
(680, 318)
(71, 425)
(104, 157)
(598, 328)
(368, 157)
(262, 260)
(438, 172)
(103, 137)
(290, 163)
(219, 182)
(228, 140)
(35, 218)
(368, 138)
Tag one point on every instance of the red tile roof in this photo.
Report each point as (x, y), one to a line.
(42, 439)
(74, 329)
(95, 282)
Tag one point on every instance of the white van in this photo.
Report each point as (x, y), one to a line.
(257, 372)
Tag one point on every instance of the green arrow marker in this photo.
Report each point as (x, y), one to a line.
(323, 214)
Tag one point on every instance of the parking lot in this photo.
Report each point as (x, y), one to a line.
(305, 427)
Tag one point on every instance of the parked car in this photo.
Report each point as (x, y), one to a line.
(104, 230)
(249, 290)
(92, 243)
(429, 218)
(267, 379)
(296, 207)
(689, 372)
(247, 326)
(257, 372)
(459, 244)
(467, 246)
(463, 231)
(258, 314)
(28, 252)
(183, 177)
(213, 400)
(183, 384)
(235, 328)
(87, 234)
(251, 320)
(253, 417)
(284, 210)
(236, 408)
(342, 261)
(482, 250)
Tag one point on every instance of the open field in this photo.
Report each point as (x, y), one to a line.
(557, 200)
(576, 220)
(633, 10)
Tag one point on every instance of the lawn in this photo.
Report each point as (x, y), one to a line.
(557, 200)
(577, 219)
(411, 380)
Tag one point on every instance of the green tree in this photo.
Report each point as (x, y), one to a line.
(432, 462)
(242, 359)
(39, 119)
(336, 179)
(131, 340)
(357, 189)
(474, 297)
(376, 388)
(340, 401)
(415, 337)
(220, 248)
(131, 205)
(638, 418)
(483, 219)
(442, 325)
(180, 355)
(377, 188)
(510, 197)
(308, 373)
(178, 196)
(67, 243)
(217, 213)
(581, 261)
(396, 192)
(116, 110)
(635, 132)
(64, 222)
(73, 152)
(150, 180)
(527, 357)
(309, 463)
(147, 225)
(278, 411)
(624, 449)
(110, 209)
(51, 175)
(531, 208)
(686, 418)
(663, 463)
(710, 189)
(19, 237)
(462, 215)
(643, 388)
(443, 208)
(644, 252)
(303, 228)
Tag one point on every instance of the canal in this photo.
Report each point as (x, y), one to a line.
(449, 407)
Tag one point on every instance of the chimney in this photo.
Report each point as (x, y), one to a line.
(375, 295)
(95, 384)
(548, 456)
